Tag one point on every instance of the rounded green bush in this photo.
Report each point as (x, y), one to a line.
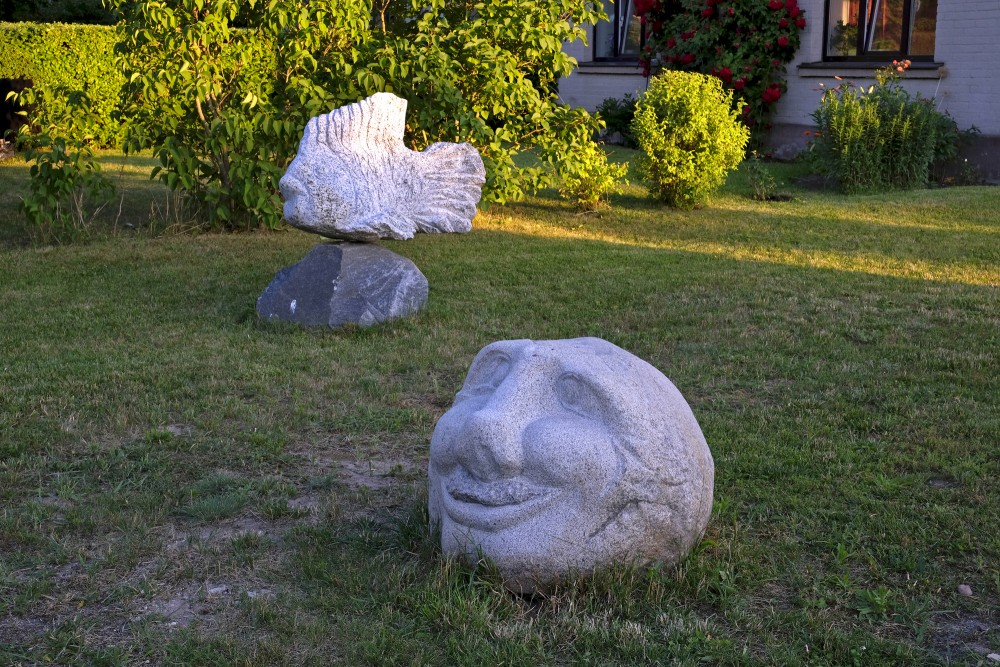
(690, 136)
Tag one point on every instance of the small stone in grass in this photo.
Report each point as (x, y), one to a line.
(965, 590)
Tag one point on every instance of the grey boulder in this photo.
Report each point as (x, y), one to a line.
(337, 284)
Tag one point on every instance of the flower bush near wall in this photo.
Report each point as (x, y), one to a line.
(745, 43)
(880, 138)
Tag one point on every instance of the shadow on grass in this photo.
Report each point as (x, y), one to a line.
(831, 399)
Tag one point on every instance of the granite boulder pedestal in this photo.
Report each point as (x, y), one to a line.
(341, 283)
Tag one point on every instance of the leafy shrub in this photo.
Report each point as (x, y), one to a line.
(68, 60)
(880, 138)
(590, 179)
(763, 187)
(949, 168)
(199, 94)
(690, 137)
(617, 115)
(486, 73)
(224, 109)
(67, 188)
(746, 45)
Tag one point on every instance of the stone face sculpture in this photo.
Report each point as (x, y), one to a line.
(561, 456)
(353, 178)
(339, 283)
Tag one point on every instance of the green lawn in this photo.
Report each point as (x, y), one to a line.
(183, 485)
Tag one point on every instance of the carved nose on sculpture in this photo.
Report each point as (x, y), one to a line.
(492, 445)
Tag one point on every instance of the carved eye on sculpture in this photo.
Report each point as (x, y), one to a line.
(576, 395)
(487, 374)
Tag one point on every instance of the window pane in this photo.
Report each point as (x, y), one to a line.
(626, 42)
(843, 37)
(924, 19)
(604, 33)
(885, 26)
(631, 30)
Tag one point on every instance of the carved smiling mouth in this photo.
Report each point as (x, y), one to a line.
(492, 505)
(494, 494)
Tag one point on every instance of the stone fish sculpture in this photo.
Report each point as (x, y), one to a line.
(354, 179)
(561, 456)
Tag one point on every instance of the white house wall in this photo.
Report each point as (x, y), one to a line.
(966, 85)
(592, 83)
(967, 33)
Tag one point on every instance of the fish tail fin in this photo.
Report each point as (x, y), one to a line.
(454, 184)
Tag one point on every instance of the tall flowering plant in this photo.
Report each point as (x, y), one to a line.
(745, 43)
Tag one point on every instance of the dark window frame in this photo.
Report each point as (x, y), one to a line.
(615, 25)
(862, 55)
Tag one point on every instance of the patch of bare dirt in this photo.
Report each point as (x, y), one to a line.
(17, 630)
(375, 475)
(181, 608)
(359, 486)
(193, 576)
(309, 502)
(211, 589)
(342, 461)
(220, 532)
(179, 430)
(957, 637)
(943, 482)
(204, 603)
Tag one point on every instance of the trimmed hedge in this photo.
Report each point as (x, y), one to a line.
(56, 11)
(66, 57)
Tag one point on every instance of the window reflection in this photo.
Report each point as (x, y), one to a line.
(923, 20)
(879, 29)
(621, 37)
